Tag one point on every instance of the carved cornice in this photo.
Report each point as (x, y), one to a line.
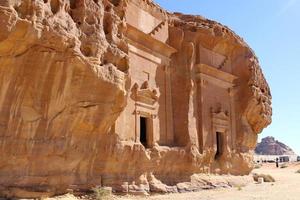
(215, 76)
(147, 114)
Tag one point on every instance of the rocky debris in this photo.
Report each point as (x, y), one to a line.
(198, 183)
(270, 146)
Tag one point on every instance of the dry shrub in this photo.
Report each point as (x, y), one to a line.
(298, 171)
(257, 166)
(102, 193)
(266, 177)
(239, 188)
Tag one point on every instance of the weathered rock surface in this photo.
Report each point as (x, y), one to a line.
(62, 86)
(270, 146)
(66, 77)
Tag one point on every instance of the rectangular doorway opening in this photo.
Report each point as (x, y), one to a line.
(143, 131)
(219, 141)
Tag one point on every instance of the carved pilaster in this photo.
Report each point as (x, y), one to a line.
(168, 104)
(232, 94)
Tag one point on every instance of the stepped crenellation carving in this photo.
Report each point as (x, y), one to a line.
(222, 65)
(157, 28)
(151, 7)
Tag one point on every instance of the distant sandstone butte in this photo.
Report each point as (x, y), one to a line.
(270, 146)
(121, 93)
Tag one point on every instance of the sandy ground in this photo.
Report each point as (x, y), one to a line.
(286, 187)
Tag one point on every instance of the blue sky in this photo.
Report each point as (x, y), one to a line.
(272, 29)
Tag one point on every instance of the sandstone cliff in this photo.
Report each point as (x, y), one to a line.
(270, 146)
(64, 79)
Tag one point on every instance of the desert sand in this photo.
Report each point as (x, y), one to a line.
(286, 187)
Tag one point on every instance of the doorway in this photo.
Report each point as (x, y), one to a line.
(143, 131)
(219, 141)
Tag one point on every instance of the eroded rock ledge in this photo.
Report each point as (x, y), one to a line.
(122, 93)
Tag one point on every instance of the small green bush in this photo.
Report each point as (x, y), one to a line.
(266, 177)
(239, 188)
(102, 193)
(257, 166)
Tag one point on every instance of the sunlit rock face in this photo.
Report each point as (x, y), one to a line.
(122, 94)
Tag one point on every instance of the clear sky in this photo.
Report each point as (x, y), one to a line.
(272, 29)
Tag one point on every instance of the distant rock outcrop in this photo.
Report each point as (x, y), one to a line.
(270, 146)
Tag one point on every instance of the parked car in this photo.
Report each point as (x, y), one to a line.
(284, 159)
